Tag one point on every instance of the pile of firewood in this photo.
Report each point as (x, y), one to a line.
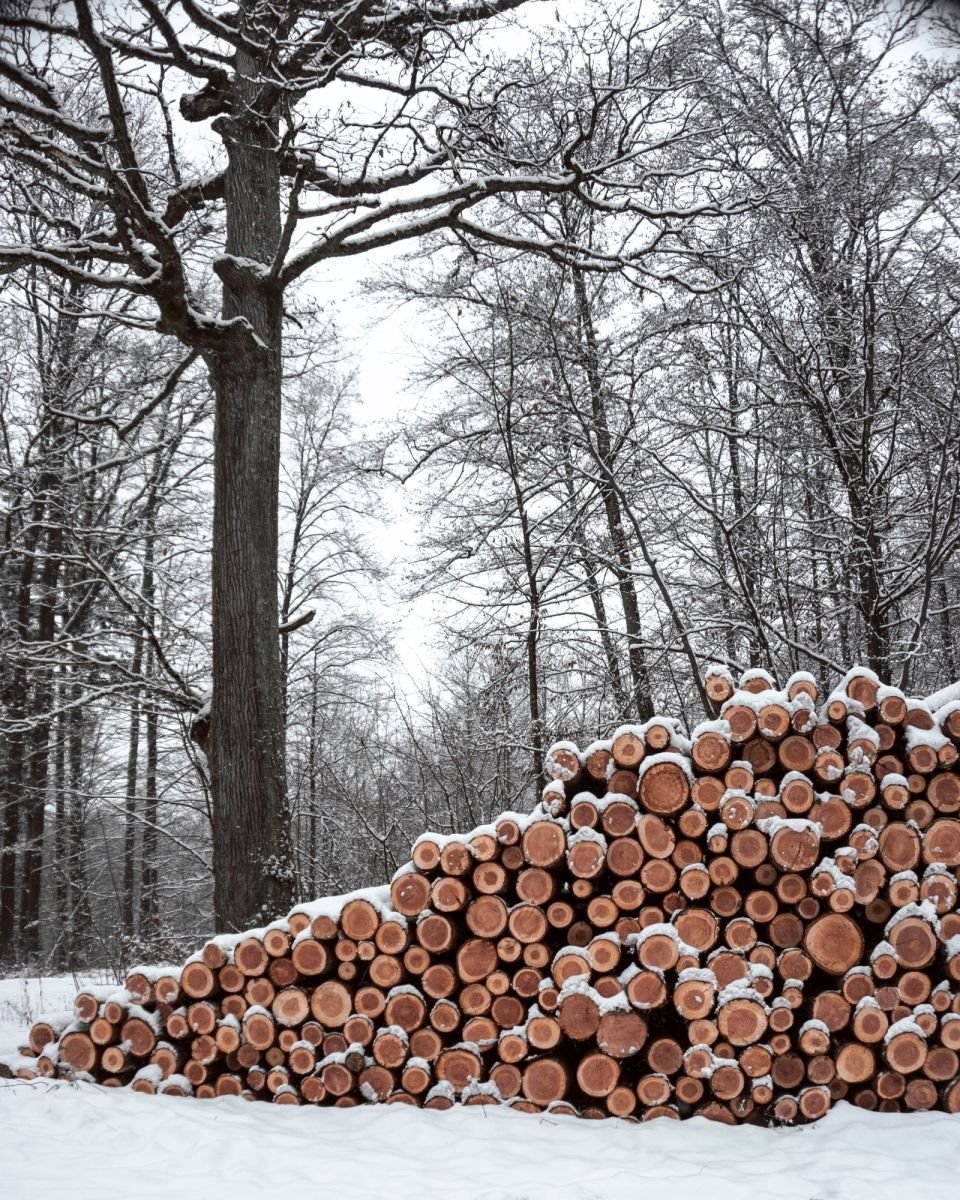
(750, 923)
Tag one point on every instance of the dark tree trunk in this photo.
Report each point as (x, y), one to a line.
(130, 814)
(15, 708)
(61, 843)
(312, 768)
(253, 868)
(77, 903)
(15, 704)
(149, 876)
(149, 906)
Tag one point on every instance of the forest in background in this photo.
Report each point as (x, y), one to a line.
(740, 445)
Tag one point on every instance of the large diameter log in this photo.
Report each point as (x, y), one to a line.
(251, 956)
(534, 885)
(449, 893)
(914, 942)
(834, 942)
(711, 751)
(410, 894)
(141, 1036)
(598, 1075)
(476, 959)
(331, 1004)
(545, 1080)
(458, 1066)
(904, 1051)
(579, 1016)
(664, 789)
(718, 684)
(78, 1051)
(197, 980)
(742, 1021)
(899, 847)
(795, 849)
(693, 997)
(621, 1035)
(291, 1006)
(544, 844)
(310, 957)
(436, 933)
(856, 1062)
(941, 842)
(86, 1006)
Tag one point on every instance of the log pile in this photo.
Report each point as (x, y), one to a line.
(749, 924)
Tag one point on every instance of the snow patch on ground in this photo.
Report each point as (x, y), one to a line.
(91, 1143)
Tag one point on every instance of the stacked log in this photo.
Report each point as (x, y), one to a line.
(750, 923)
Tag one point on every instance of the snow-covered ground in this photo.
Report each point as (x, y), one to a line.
(82, 1141)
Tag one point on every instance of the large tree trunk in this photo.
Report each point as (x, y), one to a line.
(252, 859)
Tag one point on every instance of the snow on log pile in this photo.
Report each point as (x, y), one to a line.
(750, 924)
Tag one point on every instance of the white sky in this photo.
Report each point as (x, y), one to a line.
(382, 344)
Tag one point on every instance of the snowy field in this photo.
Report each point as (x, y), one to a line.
(84, 1142)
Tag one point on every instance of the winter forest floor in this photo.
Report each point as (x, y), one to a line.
(82, 1141)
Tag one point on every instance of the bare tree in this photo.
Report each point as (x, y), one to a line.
(304, 176)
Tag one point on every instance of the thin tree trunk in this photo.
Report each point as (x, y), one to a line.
(595, 592)
(77, 901)
(622, 560)
(312, 782)
(149, 875)
(130, 808)
(62, 834)
(532, 636)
